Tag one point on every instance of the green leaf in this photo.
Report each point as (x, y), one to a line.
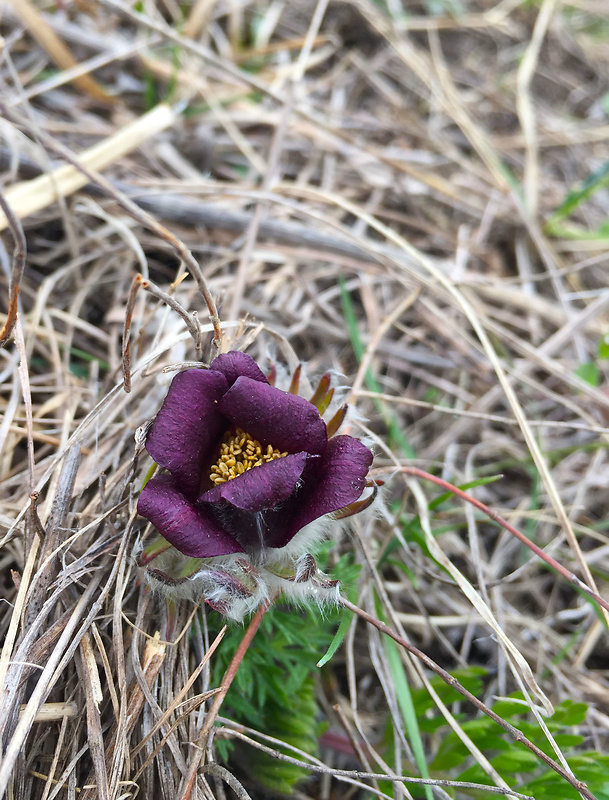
(570, 713)
(507, 707)
(150, 91)
(75, 351)
(479, 727)
(515, 760)
(470, 678)
(347, 573)
(578, 234)
(589, 372)
(450, 758)
(476, 774)
(603, 347)
(401, 567)
(567, 740)
(149, 475)
(432, 724)
(337, 640)
(464, 488)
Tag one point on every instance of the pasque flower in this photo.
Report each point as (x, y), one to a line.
(247, 468)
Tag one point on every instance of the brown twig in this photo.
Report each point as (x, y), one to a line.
(516, 734)
(19, 254)
(126, 345)
(139, 282)
(191, 324)
(26, 390)
(354, 776)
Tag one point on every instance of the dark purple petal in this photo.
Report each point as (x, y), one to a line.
(343, 472)
(261, 487)
(188, 426)
(190, 530)
(233, 365)
(278, 418)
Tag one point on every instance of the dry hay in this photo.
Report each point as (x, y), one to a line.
(417, 159)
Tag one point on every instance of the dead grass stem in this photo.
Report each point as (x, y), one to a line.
(416, 202)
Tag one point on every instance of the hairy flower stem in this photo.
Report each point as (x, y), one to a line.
(229, 675)
(516, 734)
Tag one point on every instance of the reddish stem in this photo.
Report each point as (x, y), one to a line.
(570, 576)
(191, 776)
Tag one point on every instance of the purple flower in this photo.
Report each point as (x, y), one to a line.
(247, 465)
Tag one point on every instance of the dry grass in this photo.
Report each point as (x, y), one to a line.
(417, 159)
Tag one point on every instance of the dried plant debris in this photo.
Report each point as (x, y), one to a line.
(409, 200)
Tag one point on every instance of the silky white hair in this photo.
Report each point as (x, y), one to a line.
(238, 583)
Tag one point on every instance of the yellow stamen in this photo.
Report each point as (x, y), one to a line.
(239, 452)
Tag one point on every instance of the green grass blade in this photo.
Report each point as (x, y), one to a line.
(404, 698)
(337, 640)
(597, 180)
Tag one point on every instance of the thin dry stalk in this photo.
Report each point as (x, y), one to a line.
(355, 776)
(141, 216)
(516, 735)
(201, 744)
(551, 562)
(46, 37)
(126, 348)
(19, 256)
(413, 206)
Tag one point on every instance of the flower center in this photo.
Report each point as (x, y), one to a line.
(238, 453)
